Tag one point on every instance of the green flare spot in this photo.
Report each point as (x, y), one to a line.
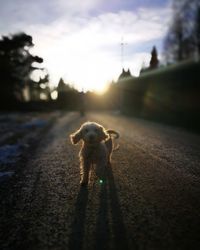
(101, 181)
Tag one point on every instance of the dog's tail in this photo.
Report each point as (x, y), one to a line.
(113, 132)
(116, 136)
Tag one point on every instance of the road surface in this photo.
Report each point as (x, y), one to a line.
(150, 200)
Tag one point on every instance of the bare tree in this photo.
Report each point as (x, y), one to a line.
(182, 39)
(197, 30)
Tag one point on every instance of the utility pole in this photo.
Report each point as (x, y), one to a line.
(122, 51)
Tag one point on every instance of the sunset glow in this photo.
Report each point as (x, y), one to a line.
(82, 42)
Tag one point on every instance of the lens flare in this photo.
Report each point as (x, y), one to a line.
(101, 181)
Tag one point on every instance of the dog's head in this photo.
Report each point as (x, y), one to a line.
(90, 133)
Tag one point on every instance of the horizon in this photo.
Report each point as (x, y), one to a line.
(81, 42)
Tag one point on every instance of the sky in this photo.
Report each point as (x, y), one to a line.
(80, 40)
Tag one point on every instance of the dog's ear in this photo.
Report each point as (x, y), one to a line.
(76, 137)
(103, 134)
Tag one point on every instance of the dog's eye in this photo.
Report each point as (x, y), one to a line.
(86, 130)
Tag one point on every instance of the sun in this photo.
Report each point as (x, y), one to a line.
(86, 70)
(102, 90)
(89, 77)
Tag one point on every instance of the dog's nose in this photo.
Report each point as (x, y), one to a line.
(91, 137)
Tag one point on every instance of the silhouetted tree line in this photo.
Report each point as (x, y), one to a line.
(16, 66)
(70, 98)
(183, 38)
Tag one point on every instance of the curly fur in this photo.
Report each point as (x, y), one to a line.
(96, 150)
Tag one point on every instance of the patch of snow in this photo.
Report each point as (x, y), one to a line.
(5, 175)
(9, 153)
(36, 123)
(9, 174)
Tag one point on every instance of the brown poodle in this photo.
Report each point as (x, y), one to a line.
(96, 150)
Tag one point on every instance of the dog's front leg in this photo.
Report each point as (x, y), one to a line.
(84, 171)
(101, 169)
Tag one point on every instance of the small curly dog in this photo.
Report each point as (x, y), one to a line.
(96, 150)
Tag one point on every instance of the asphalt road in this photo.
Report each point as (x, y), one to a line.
(150, 200)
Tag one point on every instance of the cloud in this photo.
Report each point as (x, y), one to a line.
(76, 7)
(16, 13)
(84, 48)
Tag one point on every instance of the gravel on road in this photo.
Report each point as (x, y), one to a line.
(150, 199)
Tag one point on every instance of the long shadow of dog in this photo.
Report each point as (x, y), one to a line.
(109, 199)
(109, 209)
(77, 228)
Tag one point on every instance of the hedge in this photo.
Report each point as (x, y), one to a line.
(170, 94)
